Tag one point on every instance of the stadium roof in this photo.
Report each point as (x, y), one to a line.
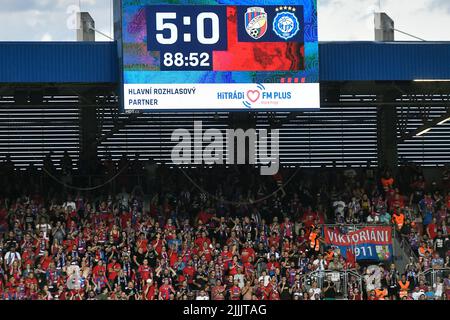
(96, 62)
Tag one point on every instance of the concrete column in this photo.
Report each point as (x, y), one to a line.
(387, 138)
(86, 25)
(88, 111)
(386, 115)
(384, 27)
(88, 135)
(387, 134)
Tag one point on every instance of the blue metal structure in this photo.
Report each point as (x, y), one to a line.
(97, 62)
(384, 61)
(58, 62)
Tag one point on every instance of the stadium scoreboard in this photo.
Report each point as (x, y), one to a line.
(219, 55)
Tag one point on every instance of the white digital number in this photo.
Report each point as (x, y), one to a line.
(204, 60)
(178, 60)
(215, 34)
(193, 59)
(205, 17)
(161, 25)
(168, 59)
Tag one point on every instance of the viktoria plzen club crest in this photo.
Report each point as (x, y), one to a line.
(256, 22)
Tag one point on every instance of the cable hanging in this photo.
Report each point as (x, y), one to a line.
(408, 34)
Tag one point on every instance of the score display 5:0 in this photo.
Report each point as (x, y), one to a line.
(193, 60)
(162, 24)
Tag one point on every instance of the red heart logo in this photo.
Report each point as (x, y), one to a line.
(253, 95)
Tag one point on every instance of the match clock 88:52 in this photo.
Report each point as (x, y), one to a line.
(186, 35)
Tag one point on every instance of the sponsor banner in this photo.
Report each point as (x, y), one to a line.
(223, 96)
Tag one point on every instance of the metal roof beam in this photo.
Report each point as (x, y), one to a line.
(428, 125)
(119, 126)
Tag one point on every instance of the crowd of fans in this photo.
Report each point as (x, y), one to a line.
(176, 241)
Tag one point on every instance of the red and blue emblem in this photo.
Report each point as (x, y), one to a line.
(256, 22)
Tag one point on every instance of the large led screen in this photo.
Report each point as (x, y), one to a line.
(220, 55)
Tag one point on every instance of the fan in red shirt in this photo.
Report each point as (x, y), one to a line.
(158, 243)
(189, 272)
(41, 244)
(260, 291)
(272, 265)
(145, 271)
(218, 291)
(125, 218)
(397, 202)
(432, 229)
(249, 268)
(3, 219)
(99, 267)
(247, 253)
(69, 244)
(274, 294)
(387, 181)
(302, 240)
(31, 281)
(270, 291)
(227, 257)
(10, 287)
(142, 242)
(61, 294)
(202, 239)
(308, 217)
(173, 255)
(113, 269)
(169, 226)
(286, 245)
(235, 291)
(206, 252)
(287, 228)
(149, 290)
(441, 215)
(45, 261)
(165, 290)
(28, 257)
(204, 216)
(274, 240)
(234, 266)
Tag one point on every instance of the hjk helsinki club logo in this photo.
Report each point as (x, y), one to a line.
(286, 24)
(256, 22)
